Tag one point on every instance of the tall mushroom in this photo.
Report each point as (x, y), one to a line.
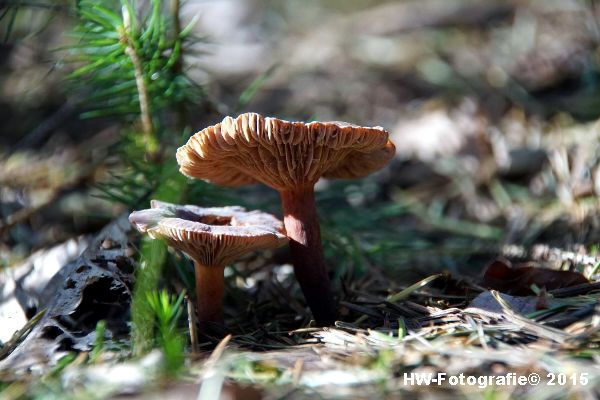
(212, 238)
(289, 157)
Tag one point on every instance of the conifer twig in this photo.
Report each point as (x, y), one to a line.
(140, 81)
(142, 94)
(178, 64)
(175, 6)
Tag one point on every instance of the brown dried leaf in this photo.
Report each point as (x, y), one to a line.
(502, 276)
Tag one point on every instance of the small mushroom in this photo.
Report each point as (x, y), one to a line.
(289, 157)
(212, 238)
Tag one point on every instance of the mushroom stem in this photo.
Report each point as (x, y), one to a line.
(302, 228)
(210, 287)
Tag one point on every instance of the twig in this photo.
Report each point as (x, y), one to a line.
(192, 324)
(576, 290)
(26, 213)
(43, 130)
(20, 334)
(539, 329)
(178, 64)
(140, 82)
(175, 7)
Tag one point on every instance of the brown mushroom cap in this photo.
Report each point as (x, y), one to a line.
(283, 154)
(210, 236)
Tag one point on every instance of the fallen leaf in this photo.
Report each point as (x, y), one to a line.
(502, 276)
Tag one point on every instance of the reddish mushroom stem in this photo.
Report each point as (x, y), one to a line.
(302, 228)
(210, 286)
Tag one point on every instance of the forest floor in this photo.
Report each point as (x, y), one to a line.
(475, 253)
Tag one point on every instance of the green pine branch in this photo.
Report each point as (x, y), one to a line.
(130, 63)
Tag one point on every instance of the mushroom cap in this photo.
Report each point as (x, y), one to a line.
(283, 154)
(212, 236)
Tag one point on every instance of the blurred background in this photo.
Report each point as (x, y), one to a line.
(492, 105)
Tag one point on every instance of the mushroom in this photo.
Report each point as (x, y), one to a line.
(212, 238)
(289, 157)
